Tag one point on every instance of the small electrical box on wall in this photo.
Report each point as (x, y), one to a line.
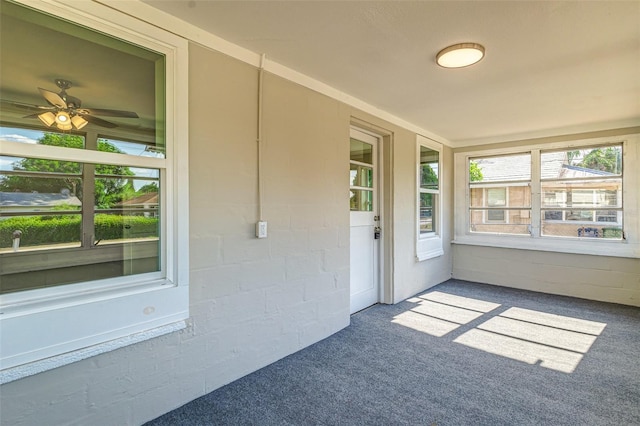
(261, 229)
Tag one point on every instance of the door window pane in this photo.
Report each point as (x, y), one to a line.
(361, 200)
(361, 176)
(361, 152)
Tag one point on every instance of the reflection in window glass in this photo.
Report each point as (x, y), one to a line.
(130, 148)
(428, 190)
(29, 136)
(40, 203)
(361, 151)
(429, 159)
(427, 210)
(54, 230)
(361, 176)
(361, 200)
(134, 212)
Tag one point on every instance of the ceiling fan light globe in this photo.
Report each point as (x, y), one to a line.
(79, 122)
(65, 126)
(48, 118)
(62, 118)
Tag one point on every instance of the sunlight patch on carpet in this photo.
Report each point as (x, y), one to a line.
(549, 340)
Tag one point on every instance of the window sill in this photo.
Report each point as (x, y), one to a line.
(29, 369)
(584, 245)
(429, 255)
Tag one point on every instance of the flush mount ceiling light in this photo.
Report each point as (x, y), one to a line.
(460, 55)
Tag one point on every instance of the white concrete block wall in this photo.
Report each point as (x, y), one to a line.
(608, 279)
(252, 301)
(411, 276)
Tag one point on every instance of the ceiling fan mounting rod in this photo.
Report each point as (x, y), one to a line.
(63, 84)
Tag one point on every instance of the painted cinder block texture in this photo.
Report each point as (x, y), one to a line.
(604, 278)
(252, 301)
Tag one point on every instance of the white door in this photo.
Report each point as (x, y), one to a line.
(365, 231)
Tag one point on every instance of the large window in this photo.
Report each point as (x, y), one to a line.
(582, 193)
(93, 149)
(572, 197)
(500, 194)
(429, 212)
(77, 210)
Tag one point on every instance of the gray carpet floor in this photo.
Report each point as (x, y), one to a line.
(384, 369)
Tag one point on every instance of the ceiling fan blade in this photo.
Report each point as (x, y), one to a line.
(12, 105)
(53, 98)
(32, 115)
(98, 121)
(109, 112)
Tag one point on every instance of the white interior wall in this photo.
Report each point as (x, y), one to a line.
(252, 301)
(410, 275)
(604, 278)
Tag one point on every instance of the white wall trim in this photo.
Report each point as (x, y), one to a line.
(197, 35)
(32, 368)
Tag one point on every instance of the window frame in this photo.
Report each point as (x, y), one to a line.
(430, 244)
(627, 247)
(94, 317)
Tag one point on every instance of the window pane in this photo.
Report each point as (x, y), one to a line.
(361, 176)
(512, 196)
(427, 216)
(500, 221)
(500, 169)
(559, 228)
(496, 197)
(129, 204)
(428, 168)
(582, 163)
(582, 193)
(29, 136)
(361, 152)
(18, 233)
(140, 149)
(30, 185)
(361, 200)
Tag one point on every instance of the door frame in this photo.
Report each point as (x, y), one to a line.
(385, 203)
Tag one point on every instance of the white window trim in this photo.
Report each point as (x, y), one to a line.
(70, 322)
(629, 247)
(429, 245)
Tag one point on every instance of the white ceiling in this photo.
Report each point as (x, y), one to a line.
(550, 68)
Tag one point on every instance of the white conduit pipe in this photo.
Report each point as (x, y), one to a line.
(259, 140)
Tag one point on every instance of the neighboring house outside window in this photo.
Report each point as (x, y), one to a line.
(555, 197)
(500, 194)
(582, 194)
(429, 210)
